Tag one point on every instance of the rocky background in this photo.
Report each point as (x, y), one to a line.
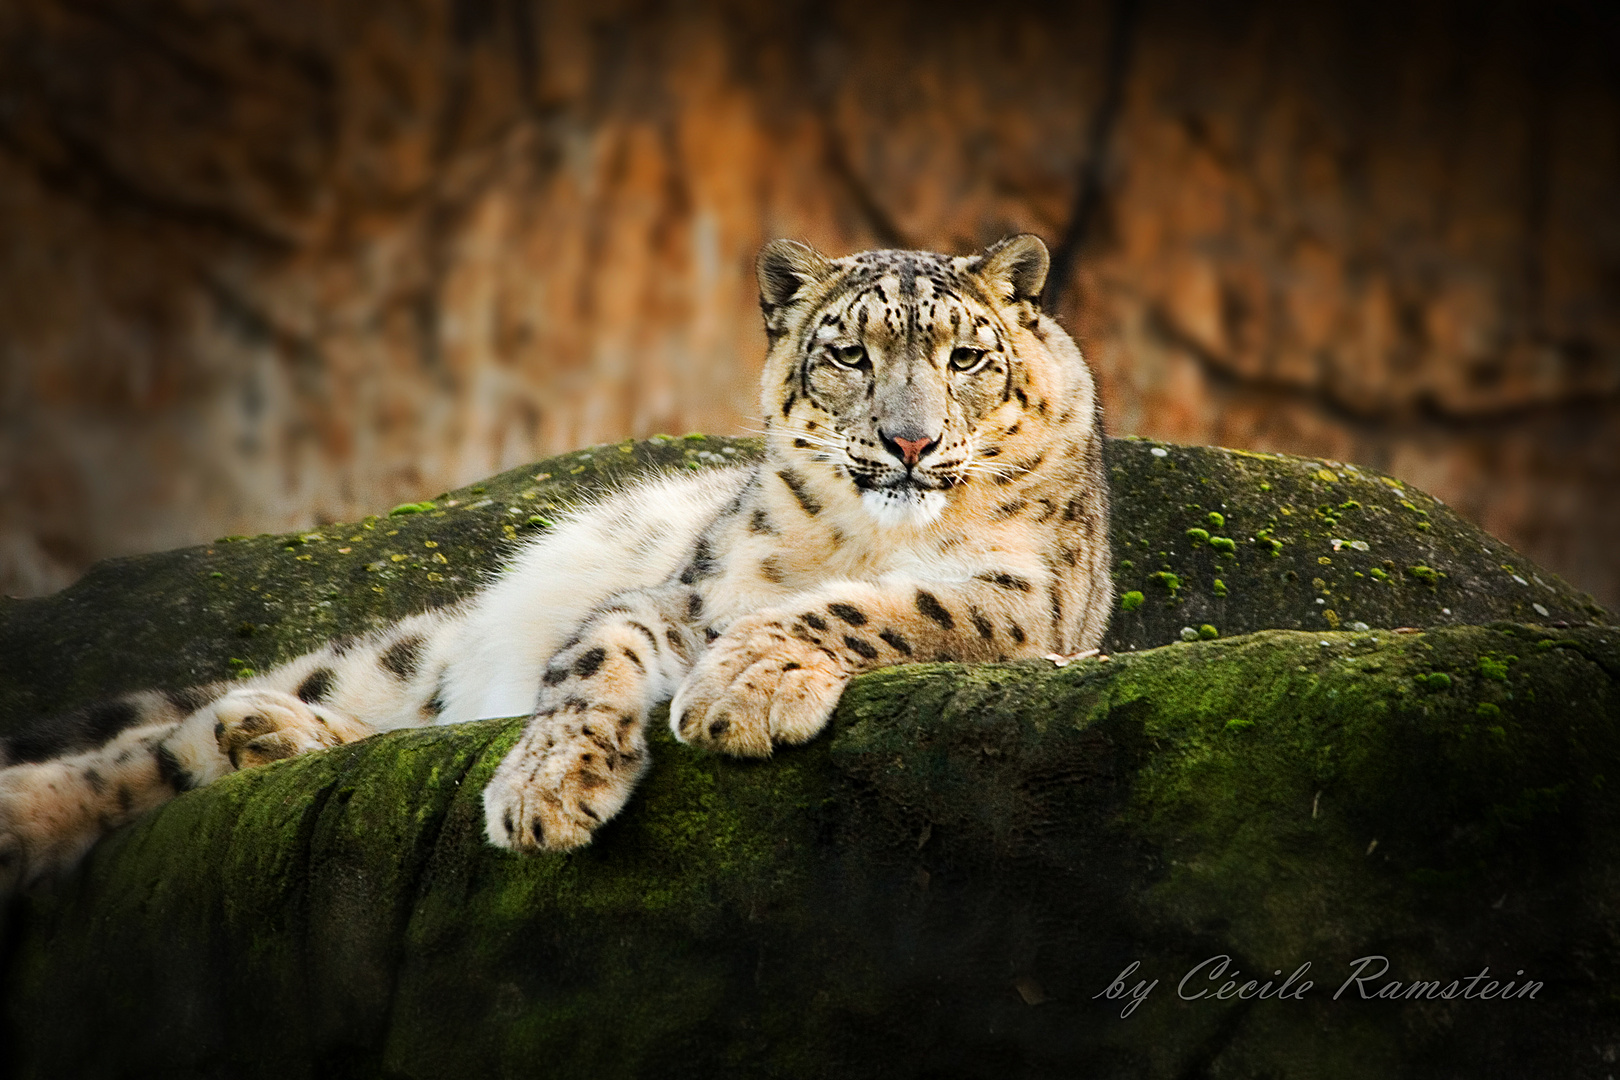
(268, 265)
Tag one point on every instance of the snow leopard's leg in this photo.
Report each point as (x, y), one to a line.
(53, 808)
(338, 694)
(775, 676)
(586, 745)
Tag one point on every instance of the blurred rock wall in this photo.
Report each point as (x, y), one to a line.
(267, 264)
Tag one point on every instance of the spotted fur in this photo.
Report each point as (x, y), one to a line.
(932, 488)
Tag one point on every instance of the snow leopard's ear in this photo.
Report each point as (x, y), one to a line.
(784, 267)
(1016, 267)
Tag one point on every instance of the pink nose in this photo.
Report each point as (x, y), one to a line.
(912, 449)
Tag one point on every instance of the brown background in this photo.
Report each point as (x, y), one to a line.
(267, 264)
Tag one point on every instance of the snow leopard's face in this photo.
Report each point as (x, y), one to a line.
(909, 374)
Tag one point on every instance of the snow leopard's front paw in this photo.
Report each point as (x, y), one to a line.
(755, 686)
(571, 771)
(253, 727)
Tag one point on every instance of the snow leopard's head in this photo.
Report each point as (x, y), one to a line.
(910, 376)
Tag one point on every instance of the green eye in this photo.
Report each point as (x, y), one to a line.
(849, 355)
(964, 358)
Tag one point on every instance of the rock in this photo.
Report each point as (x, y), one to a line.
(946, 883)
(1241, 541)
(245, 604)
(264, 267)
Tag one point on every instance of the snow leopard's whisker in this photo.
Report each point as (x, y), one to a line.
(837, 446)
(989, 468)
(975, 465)
(841, 445)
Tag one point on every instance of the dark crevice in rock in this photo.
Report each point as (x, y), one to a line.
(1099, 136)
(1382, 417)
(884, 228)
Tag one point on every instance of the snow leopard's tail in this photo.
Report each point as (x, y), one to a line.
(68, 780)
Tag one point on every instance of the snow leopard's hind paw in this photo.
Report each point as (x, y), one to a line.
(254, 727)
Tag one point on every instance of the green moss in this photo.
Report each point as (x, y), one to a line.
(1487, 710)
(1130, 601)
(1426, 574)
(1198, 536)
(1492, 668)
(1208, 632)
(1218, 587)
(865, 905)
(1224, 544)
(1217, 520)
(411, 508)
(1435, 680)
(1167, 579)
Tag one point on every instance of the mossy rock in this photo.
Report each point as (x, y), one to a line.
(945, 884)
(942, 886)
(244, 604)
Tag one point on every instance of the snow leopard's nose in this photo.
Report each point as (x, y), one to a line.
(909, 451)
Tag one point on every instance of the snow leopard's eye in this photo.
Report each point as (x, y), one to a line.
(967, 359)
(850, 356)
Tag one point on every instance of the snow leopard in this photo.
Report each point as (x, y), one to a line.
(931, 489)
